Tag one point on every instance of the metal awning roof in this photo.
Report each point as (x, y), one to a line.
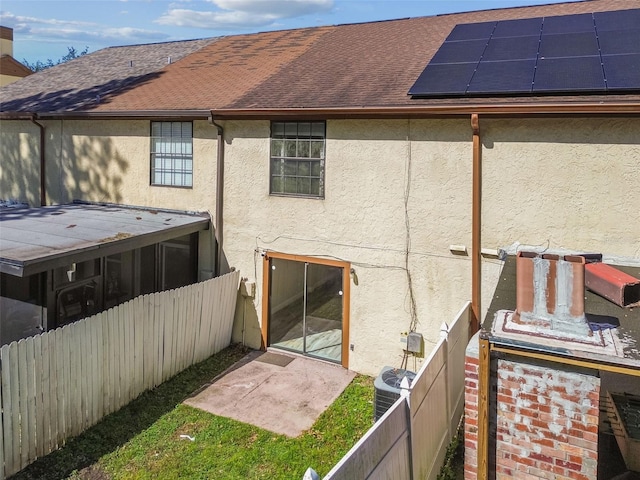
(34, 240)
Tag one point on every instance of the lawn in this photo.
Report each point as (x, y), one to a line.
(145, 438)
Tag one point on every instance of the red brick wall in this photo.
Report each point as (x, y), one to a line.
(471, 414)
(545, 424)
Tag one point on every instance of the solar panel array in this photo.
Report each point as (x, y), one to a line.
(597, 53)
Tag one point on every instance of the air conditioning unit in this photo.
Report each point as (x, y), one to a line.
(387, 389)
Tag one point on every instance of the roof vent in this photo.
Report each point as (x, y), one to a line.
(551, 288)
(168, 60)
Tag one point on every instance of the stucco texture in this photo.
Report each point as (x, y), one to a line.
(398, 193)
(370, 167)
(20, 165)
(570, 183)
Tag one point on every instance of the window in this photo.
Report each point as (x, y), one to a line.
(297, 158)
(172, 154)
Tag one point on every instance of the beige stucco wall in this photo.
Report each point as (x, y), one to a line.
(565, 183)
(101, 161)
(7, 79)
(569, 183)
(19, 161)
(362, 220)
(6, 46)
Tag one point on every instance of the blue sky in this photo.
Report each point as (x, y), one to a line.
(44, 29)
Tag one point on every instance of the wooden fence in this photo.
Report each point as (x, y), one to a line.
(410, 440)
(56, 385)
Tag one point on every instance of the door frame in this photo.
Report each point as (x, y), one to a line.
(346, 297)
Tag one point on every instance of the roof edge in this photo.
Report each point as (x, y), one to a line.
(402, 111)
(130, 115)
(617, 108)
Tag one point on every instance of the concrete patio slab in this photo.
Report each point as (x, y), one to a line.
(278, 392)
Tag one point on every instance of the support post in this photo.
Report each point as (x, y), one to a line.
(476, 223)
(484, 385)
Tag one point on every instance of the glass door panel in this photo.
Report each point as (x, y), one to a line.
(323, 319)
(286, 304)
(305, 308)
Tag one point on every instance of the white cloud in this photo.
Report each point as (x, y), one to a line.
(243, 13)
(75, 31)
(279, 8)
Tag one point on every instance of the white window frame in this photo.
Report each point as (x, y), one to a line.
(297, 160)
(172, 154)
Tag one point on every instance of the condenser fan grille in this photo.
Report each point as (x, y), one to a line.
(394, 377)
(387, 389)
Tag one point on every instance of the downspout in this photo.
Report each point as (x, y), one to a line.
(43, 182)
(476, 223)
(219, 195)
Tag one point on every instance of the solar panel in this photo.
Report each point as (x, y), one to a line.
(515, 48)
(562, 54)
(568, 75)
(518, 28)
(503, 77)
(569, 45)
(444, 79)
(622, 71)
(623, 41)
(568, 24)
(617, 20)
(460, 52)
(471, 31)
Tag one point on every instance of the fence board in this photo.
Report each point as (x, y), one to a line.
(128, 323)
(379, 451)
(138, 309)
(458, 340)
(23, 386)
(433, 411)
(81, 337)
(96, 391)
(59, 383)
(31, 399)
(2, 430)
(5, 398)
(149, 342)
(39, 378)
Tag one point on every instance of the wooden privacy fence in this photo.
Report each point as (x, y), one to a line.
(55, 385)
(410, 440)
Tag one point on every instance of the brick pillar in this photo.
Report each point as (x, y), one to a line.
(545, 418)
(471, 410)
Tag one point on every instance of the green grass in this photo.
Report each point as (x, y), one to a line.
(142, 440)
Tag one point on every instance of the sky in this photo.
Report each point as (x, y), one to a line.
(46, 29)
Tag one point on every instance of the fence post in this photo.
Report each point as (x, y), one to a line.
(444, 335)
(405, 393)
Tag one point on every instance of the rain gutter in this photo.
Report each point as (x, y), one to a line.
(412, 111)
(219, 230)
(43, 180)
(476, 224)
(116, 115)
(396, 111)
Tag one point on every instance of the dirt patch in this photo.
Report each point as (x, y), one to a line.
(92, 472)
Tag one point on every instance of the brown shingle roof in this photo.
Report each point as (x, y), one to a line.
(348, 66)
(77, 84)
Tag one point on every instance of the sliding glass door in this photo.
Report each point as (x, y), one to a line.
(306, 308)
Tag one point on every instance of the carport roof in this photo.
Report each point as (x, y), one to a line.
(34, 240)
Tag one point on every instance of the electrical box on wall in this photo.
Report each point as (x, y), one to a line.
(415, 344)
